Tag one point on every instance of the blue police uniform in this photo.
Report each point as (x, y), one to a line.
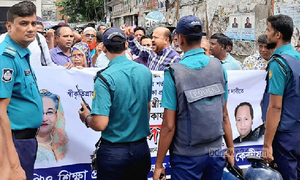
(192, 166)
(124, 152)
(283, 80)
(25, 110)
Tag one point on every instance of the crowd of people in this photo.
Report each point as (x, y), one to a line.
(156, 50)
(194, 97)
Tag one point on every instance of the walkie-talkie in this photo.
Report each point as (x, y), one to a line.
(86, 104)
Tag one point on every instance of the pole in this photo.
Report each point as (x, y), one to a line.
(177, 10)
(104, 4)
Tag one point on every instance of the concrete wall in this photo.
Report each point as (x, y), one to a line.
(215, 17)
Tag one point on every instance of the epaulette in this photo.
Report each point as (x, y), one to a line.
(9, 52)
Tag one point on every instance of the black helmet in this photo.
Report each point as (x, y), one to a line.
(260, 170)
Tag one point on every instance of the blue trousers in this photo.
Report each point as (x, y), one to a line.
(197, 167)
(286, 152)
(26, 149)
(119, 162)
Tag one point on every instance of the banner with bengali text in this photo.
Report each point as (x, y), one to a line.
(70, 159)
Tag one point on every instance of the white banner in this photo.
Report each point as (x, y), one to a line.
(67, 155)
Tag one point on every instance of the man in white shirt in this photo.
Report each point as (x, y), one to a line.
(36, 58)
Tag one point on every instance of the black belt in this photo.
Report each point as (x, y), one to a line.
(25, 133)
(105, 142)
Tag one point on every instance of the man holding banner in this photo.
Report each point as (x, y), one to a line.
(121, 106)
(195, 115)
(281, 100)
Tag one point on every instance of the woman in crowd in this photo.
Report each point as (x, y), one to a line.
(79, 55)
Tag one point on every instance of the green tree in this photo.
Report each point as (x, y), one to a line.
(84, 10)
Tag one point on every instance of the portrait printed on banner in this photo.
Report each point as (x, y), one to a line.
(235, 23)
(52, 137)
(248, 22)
(244, 116)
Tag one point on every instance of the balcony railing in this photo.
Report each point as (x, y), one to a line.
(113, 2)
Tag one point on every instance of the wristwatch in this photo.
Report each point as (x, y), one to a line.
(85, 120)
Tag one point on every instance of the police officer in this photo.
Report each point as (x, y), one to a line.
(20, 102)
(281, 100)
(195, 115)
(120, 109)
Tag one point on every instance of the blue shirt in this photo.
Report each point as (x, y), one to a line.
(125, 101)
(230, 63)
(58, 57)
(194, 59)
(18, 83)
(278, 80)
(93, 52)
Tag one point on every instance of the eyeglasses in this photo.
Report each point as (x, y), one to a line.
(89, 35)
(77, 55)
(49, 113)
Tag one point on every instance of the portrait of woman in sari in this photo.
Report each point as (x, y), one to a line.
(52, 137)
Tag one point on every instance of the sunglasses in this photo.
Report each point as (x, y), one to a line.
(89, 35)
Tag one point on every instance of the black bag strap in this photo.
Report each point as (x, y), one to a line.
(43, 59)
(276, 56)
(171, 73)
(102, 77)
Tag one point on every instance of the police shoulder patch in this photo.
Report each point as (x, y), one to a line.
(94, 94)
(7, 74)
(10, 52)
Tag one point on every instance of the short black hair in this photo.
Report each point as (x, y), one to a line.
(229, 42)
(116, 49)
(21, 9)
(101, 24)
(57, 31)
(192, 40)
(244, 104)
(221, 39)
(139, 28)
(99, 37)
(283, 24)
(145, 37)
(262, 39)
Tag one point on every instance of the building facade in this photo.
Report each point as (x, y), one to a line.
(216, 16)
(5, 4)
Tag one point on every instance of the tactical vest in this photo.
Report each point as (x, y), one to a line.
(200, 100)
(290, 114)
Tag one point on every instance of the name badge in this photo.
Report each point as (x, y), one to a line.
(203, 92)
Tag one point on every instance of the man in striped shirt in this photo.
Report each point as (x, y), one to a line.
(161, 54)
